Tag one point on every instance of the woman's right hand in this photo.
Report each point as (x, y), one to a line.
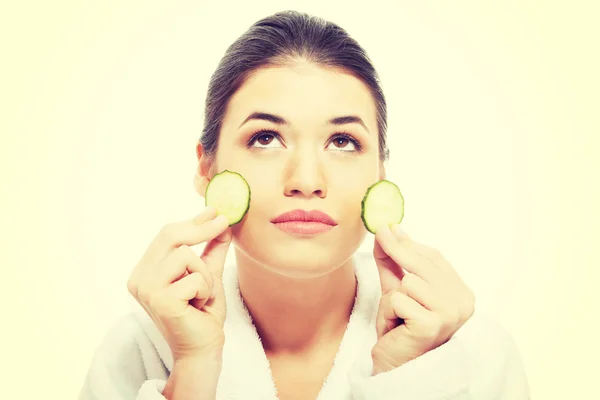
(183, 292)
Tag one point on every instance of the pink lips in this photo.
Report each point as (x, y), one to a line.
(304, 222)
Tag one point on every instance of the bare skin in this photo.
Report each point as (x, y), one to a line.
(299, 290)
(300, 355)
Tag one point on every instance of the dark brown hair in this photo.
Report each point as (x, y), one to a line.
(281, 39)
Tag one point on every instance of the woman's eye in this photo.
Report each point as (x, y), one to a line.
(340, 142)
(344, 144)
(264, 140)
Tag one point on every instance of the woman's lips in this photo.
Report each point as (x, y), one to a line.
(303, 227)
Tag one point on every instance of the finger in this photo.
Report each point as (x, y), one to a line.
(200, 267)
(161, 246)
(423, 293)
(403, 307)
(176, 266)
(403, 253)
(389, 272)
(399, 232)
(215, 253)
(173, 300)
(188, 233)
(434, 255)
(206, 215)
(190, 287)
(382, 326)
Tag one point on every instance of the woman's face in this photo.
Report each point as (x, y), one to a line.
(301, 160)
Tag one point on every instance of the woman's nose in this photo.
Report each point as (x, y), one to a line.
(304, 175)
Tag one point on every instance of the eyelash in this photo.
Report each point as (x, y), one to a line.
(343, 135)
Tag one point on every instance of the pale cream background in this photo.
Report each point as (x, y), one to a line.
(493, 133)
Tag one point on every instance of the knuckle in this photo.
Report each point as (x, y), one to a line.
(144, 295)
(167, 233)
(382, 355)
(435, 254)
(183, 252)
(132, 287)
(432, 334)
(409, 282)
(376, 352)
(386, 303)
(154, 302)
(202, 285)
(196, 278)
(471, 297)
(402, 289)
(452, 319)
(469, 309)
(467, 305)
(186, 255)
(434, 326)
(180, 257)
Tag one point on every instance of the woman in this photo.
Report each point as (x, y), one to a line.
(296, 108)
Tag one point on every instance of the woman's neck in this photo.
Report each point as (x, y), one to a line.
(296, 316)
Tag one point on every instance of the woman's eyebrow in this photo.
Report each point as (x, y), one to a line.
(349, 119)
(276, 119)
(265, 117)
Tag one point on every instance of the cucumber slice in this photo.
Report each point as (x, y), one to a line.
(383, 203)
(229, 193)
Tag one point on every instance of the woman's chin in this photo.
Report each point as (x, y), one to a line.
(304, 265)
(305, 271)
(297, 257)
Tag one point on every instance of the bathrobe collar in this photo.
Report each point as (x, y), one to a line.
(245, 370)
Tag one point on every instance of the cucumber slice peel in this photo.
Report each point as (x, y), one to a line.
(383, 203)
(229, 193)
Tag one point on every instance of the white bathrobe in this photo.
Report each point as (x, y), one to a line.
(480, 362)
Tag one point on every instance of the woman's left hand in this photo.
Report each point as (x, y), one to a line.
(424, 301)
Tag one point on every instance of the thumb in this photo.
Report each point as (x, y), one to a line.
(381, 323)
(214, 255)
(215, 252)
(390, 274)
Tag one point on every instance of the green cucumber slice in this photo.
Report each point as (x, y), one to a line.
(229, 193)
(383, 203)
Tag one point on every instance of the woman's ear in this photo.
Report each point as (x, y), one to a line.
(200, 184)
(202, 176)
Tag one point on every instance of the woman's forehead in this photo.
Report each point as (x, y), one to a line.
(303, 91)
